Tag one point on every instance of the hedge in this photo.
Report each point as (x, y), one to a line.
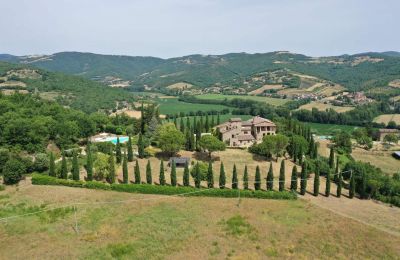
(40, 179)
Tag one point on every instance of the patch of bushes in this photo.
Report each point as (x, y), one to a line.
(39, 179)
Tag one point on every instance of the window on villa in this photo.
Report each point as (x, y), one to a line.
(233, 136)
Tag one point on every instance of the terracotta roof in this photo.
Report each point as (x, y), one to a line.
(245, 137)
(235, 119)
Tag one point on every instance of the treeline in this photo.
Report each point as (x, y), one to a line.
(197, 113)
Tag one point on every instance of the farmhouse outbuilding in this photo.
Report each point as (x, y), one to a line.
(179, 161)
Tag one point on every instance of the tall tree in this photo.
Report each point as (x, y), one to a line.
(137, 173)
(328, 184)
(149, 177)
(186, 175)
(173, 173)
(89, 163)
(234, 178)
(245, 178)
(300, 155)
(282, 176)
(118, 152)
(212, 121)
(181, 125)
(316, 180)
(294, 156)
(197, 176)
(64, 169)
(211, 144)
(303, 181)
(352, 188)
(111, 169)
(336, 176)
(218, 119)
(222, 177)
(124, 169)
(257, 179)
(142, 120)
(293, 179)
(170, 139)
(52, 166)
(270, 178)
(75, 167)
(315, 150)
(207, 124)
(332, 158)
(162, 174)
(141, 146)
(210, 176)
(339, 185)
(130, 150)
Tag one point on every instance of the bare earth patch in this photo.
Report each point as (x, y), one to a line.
(263, 88)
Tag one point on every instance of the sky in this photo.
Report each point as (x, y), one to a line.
(172, 28)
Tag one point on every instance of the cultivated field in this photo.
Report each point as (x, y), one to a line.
(387, 118)
(322, 107)
(263, 88)
(329, 129)
(135, 226)
(268, 100)
(173, 106)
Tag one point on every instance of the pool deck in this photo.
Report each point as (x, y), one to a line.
(105, 137)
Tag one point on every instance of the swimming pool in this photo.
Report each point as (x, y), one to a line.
(122, 139)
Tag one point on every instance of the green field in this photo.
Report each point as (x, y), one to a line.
(173, 106)
(329, 129)
(268, 100)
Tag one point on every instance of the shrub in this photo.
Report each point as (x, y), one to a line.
(39, 179)
(12, 171)
(41, 163)
(203, 171)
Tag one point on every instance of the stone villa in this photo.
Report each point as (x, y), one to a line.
(238, 133)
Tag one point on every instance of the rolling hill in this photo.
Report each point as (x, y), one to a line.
(354, 72)
(68, 90)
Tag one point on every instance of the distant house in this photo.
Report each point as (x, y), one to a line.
(238, 133)
(384, 132)
(179, 161)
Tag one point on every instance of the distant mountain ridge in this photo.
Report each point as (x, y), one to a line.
(355, 72)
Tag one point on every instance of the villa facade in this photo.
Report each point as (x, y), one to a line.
(238, 133)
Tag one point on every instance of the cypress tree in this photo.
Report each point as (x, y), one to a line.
(130, 150)
(137, 173)
(210, 176)
(300, 155)
(175, 123)
(198, 136)
(187, 143)
(181, 126)
(293, 180)
(52, 166)
(125, 169)
(186, 175)
(212, 121)
(245, 178)
(187, 123)
(352, 188)
(140, 146)
(173, 173)
(316, 180)
(64, 169)
(89, 164)
(192, 141)
(111, 169)
(222, 178)
(328, 184)
(311, 147)
(218, 119)
(336, 176)
(339, 185)
(257, 179)
(75, 168)
(142, 120)
(303, 181)
(234, 178)
(149, 177)
(118, 153)
(332, 159)
(363, 185)
(201, 124)
(270, 178)
(162, 175)
(282, 176)
(207, 124)
(197, 176)
(294, 155)
(315, 150)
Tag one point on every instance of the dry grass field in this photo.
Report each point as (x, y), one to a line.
(160, 227)
(263, 88)
(180, 85)
(387, 118)
(381, 159)
(322, 107)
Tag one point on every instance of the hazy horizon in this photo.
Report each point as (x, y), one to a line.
(175, 28)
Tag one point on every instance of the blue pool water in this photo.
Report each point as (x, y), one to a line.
(122, 139)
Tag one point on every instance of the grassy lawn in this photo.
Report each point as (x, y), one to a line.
(387, 118)
(156, 227)
(268, 100)
(329, 129)
(322, 107)
(173, 106)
